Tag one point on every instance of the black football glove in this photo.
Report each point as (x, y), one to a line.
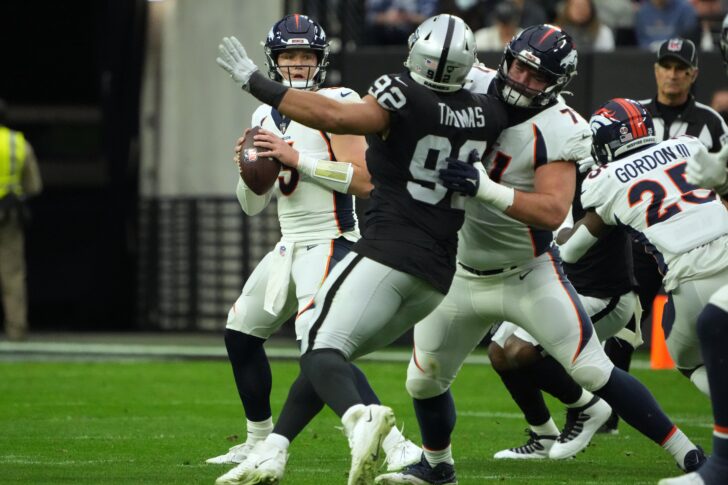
(461, 176)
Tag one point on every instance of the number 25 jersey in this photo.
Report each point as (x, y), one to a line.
(412, 221)
(647, 192)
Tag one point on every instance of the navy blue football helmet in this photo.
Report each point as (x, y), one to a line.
(619, 127)
(545, 48)
(297, 32)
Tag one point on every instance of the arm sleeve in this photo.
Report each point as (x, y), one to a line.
(250, 202)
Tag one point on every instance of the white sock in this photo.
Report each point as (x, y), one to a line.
(434, 458)
(586, 396)
(278, 440)
(678, 446)
(394, 437)
(258, 430)
(699, 377)
(548, 428)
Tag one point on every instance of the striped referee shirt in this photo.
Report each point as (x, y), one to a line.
(697, 119)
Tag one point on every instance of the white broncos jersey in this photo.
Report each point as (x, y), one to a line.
(648, 193)
(490, 239)
(306, 210)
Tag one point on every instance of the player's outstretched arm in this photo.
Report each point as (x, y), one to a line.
(319, 112)
(308, 108)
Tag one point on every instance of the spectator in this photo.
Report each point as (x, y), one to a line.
(580, 19)
(532, 13)
(616, 14)
(475, 13)
(720, 103)
(658, 20)
(390, 22)
(505, 26)
(710, 14)
(19, 179)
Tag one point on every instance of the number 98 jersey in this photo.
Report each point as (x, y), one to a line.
(413, 219)
(647, 192)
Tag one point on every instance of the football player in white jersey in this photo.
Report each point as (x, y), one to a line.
(322, 172)
(605, 284)
(641, 184)
(508, 269)
(400, 269)
(707, 170)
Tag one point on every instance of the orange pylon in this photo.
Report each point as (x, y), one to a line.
(659, 356)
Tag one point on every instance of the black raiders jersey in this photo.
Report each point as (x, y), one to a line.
(606, 269)
(412, 221)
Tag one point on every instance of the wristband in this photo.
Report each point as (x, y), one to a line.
(577, 245)
(495, 194)
(265, 90)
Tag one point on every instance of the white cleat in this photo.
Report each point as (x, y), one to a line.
(536, 448)
(403, 454)
(581, 425)
(689, 479)
(266, 464)
(236, 454)
(366, 427)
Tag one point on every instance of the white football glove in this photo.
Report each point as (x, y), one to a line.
(707, 170)
(235, 61)
(586, 164)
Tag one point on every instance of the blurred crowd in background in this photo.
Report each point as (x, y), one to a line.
(595, 25)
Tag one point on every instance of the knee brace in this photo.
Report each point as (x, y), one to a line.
(589, 376)
(424, 385)
(699, 377)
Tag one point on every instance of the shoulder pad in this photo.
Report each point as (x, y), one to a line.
(390, 91)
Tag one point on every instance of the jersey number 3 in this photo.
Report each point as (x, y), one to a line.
(428, 158)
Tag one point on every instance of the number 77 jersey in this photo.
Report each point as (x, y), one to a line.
(647, 192)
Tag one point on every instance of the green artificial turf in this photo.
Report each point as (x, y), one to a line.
(156, 423)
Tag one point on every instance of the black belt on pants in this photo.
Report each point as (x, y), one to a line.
(487, 272)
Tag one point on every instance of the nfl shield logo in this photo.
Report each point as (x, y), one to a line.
(674, 45)
(282, 250)
(250, 154)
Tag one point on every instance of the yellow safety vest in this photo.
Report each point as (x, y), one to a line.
(12, 160)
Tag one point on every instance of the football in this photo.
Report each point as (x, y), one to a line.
(259, 173)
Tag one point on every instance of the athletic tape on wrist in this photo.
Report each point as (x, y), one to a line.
(334, 175)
